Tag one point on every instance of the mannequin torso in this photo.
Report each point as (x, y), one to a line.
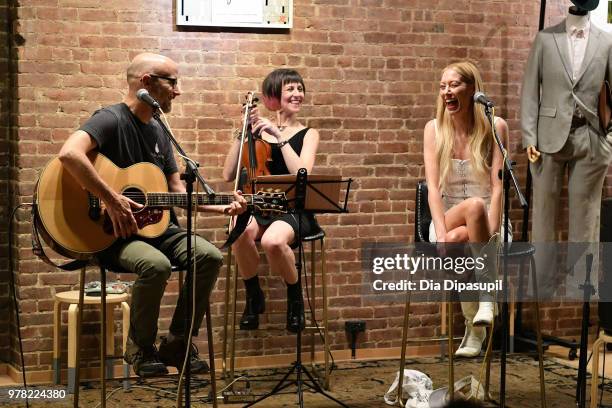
(576, 17)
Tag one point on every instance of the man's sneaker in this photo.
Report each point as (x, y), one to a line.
(173, 354)
(144, 361)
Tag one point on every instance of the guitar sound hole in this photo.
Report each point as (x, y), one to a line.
(136, 195)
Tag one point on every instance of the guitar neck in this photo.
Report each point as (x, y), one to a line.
(180, 199)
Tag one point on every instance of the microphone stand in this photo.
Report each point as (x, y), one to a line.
(190, 175)
(508, 176)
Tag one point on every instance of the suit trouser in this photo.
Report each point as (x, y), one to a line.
(151, 260)
(585, 157)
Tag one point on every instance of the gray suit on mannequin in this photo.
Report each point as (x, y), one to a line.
(561, 130)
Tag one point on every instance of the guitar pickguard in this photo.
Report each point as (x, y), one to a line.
(144, 217)
(148, 216)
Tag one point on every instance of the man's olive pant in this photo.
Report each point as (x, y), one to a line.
(151, 260)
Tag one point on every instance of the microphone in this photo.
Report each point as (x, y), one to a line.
(481, 98)
(143, 95)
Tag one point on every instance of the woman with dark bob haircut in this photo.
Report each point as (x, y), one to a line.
(294, 146)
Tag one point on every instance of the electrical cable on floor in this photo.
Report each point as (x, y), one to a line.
(170, 393)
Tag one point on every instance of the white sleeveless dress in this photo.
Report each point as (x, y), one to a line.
(463, 183)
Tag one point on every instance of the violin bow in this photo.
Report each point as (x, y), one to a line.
(238, 224)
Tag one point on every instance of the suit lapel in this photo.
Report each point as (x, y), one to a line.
(560, 36)
(591, 48)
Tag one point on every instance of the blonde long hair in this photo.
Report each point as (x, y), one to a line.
(479, 135)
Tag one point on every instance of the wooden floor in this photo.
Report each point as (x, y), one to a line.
(359, 384)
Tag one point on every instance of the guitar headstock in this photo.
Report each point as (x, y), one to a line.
(270, 201)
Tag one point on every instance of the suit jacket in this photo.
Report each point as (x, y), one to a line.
(550, 96)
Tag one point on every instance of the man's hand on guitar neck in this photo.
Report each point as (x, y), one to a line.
(238, 206)
(119, 210)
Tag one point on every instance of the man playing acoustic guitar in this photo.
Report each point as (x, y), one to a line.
(126, 134)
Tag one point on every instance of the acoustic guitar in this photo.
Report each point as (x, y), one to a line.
(74, 222)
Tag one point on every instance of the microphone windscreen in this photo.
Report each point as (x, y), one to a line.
(141, 93)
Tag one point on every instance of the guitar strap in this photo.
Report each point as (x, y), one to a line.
(241, 223)
(38, 250)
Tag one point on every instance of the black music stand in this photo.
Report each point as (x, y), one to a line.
(313, 195)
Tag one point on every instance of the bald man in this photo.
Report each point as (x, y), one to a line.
(126, 134)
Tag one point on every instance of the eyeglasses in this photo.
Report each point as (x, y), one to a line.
(172, 81)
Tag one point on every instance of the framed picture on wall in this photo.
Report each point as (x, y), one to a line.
(235, 13)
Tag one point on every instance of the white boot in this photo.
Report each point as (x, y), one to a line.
(474, 336)
(487, 307)
(485, 314)
(472, 341)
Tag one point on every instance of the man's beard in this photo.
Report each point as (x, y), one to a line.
(166, 107)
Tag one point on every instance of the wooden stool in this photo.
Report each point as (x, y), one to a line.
(601, 340)
(72, 299)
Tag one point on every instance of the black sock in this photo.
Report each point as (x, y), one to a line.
(252, 286)
(294, 291)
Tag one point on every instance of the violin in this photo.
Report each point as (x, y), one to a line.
(255, 154)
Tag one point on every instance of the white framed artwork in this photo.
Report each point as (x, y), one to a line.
(235, 13)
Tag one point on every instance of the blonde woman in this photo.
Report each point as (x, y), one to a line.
(461, 169)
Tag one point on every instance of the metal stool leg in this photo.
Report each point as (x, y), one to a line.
(403, 349)
(313, 304)
(233, 324)
(125, 313)
(326, 348)
(451, 352)
(488, 357)
(539, 334)
(103, 338)
(325, 376)
(443, 324)
(228, 272)
(211, 355)
(512, 317)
